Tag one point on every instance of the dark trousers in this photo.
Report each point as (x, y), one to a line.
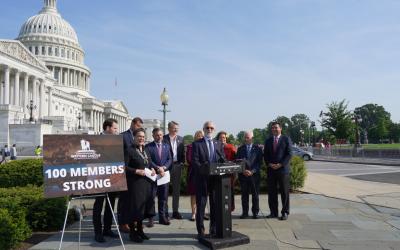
(176, 173)
(201, 202)
(107, 218)
(273, 180)
(162, 197)
(250, 185)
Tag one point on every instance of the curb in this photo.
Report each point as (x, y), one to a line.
(360, 162)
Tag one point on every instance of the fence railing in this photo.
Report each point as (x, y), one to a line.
(358, 152)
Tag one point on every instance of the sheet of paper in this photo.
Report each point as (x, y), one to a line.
(147, 172)
(163, 180)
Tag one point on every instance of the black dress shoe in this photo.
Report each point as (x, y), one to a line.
(206, 217)
(134, 236)
(271, 216)
(244, 216)
(143, 235)
(284, 216)
(110, 234)
(177, 215)
(255, 216)
(99, 238)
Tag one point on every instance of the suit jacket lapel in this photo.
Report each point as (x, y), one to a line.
(205, 148)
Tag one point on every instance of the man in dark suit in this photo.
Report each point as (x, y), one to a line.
(110, 127)
(136, 123)
(178, 156)
(277, 155)
(250, 178)
(205, 151)
(161, 160)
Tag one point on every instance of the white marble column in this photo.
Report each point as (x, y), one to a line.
(26, 89)
(68, 76)
(6, 85)
(34, 91)
(61, 76)
(91, 119)
(41, 99)
(16, 89)
(50, 104)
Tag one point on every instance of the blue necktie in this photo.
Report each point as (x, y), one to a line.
(248, 151)
(211, 148)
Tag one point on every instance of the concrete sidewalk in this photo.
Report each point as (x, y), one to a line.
(315, 222)
(373, 193)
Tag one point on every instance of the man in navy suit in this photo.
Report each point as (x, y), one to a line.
(277, 155)
(136, 123)
(178, 156)
(205, 151)
(250, 178)
(161, 161)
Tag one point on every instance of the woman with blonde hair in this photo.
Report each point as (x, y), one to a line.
(191, 188)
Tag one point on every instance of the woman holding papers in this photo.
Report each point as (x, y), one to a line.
(139, 202)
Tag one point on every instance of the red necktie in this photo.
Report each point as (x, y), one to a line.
(276, 140)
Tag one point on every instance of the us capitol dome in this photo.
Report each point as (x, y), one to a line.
(53, 40)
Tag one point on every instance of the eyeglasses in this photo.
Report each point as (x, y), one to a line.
(210, 128)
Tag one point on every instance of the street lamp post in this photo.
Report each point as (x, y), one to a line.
(31, 107)
(79, 117)
(164, 102)
(357, 119)
(312, 126)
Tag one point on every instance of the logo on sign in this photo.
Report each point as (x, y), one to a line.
(85, 153)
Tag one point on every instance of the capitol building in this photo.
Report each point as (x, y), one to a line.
(43, 72)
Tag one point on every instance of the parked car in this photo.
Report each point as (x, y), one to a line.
(306, 155)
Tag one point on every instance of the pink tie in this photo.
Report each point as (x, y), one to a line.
(275, 144)
(159, 150)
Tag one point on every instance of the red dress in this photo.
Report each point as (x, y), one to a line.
(191, 187)
(230, 152)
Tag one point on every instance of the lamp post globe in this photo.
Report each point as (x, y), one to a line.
(164, 102)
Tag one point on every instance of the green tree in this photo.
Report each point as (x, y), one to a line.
(259, 135)
(231, 139)
(299, 128)
(187, 139)
(394, 132)
(375, 121)
(240, 137)
(338, 120)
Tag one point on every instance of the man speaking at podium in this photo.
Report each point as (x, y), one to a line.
(205, 151)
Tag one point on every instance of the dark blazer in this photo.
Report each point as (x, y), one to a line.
(255, 158)
(128, 140)
(200, 160)
(180, 148)
(282, 155)
(155, 161)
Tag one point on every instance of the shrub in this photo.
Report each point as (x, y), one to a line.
(40, 213)
(298, 173)
(13, 227)
(47, 214)
(20, 173)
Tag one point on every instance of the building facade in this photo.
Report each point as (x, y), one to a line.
(43, 77)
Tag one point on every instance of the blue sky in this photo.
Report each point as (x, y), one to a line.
(238, 63)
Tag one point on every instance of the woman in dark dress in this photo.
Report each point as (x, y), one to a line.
(138, 202)
(191, 187)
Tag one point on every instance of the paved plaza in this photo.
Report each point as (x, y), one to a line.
(315, 222)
